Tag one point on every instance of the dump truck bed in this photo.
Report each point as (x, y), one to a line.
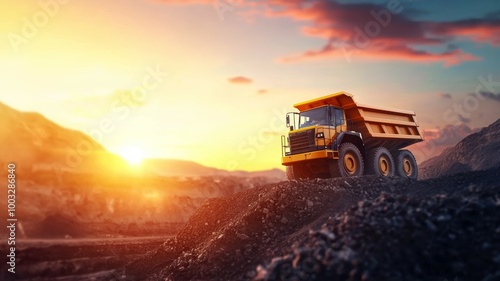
(387, 127)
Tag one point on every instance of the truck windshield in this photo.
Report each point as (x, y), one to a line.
(317, 116)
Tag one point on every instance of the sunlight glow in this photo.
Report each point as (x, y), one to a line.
(133, 154)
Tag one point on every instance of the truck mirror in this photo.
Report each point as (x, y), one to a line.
(288, 120)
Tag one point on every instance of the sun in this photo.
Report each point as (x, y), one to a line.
(132, 154)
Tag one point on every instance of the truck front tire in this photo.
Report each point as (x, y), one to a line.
(380, 162)
(406, 165)
(350, 161)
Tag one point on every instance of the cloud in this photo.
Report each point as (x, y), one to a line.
(485, 30)
(240, 80)
(372, 31)
(493, 15)
(183, 2)
(437, 140)
(445, 95)
(377, 31)
(262, 91)
(463, 119)
(491, 96)
(449, 134)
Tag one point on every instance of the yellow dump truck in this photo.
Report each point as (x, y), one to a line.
(333, 136)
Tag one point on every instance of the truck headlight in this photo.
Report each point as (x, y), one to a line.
(320, 135)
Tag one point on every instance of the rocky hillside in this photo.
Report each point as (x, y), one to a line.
(478, 151)
(365, 228)
(35, 143)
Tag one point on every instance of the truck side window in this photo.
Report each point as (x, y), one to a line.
(331, 117)
(339, 117)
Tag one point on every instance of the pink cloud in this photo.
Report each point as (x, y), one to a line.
(479, 31)
(240, 80)
(371, 31)
(437, 140)
(375, 32)
(183, 2)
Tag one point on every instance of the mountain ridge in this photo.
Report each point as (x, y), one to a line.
(478, 151)
(37, 143)
(32, 141)
(181, 167)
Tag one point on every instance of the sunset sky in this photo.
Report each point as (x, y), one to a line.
(211, 81)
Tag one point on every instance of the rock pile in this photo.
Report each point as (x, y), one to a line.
(400, 238)
(399, 228)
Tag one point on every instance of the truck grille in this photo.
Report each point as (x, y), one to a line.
(302, 142)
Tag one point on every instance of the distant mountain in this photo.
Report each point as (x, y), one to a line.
(174, 167)
(478, 151)
(183, 168)
(35, 143)
(273, 173)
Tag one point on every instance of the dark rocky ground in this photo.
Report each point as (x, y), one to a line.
(400, 238)
(74, 259)
(365, 228)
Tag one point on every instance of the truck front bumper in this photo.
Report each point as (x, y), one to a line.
(307, 156)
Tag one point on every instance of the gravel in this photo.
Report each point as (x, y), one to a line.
(365, 228)
(400, 238)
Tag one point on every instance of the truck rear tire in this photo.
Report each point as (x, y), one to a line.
(380, 162)
(406, 165)
(350, 161)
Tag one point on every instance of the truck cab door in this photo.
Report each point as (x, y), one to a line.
(340, 123)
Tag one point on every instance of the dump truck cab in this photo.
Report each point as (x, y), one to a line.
(333, 136)
(320, 124)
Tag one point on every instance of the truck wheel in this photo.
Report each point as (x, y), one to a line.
(406, 165)
(380, 162)
(350, 161)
